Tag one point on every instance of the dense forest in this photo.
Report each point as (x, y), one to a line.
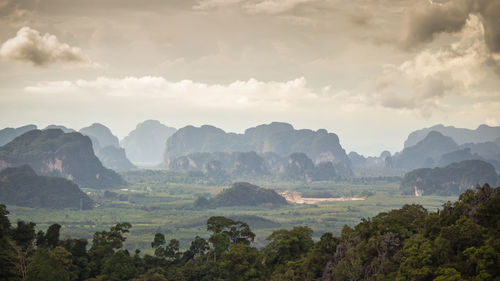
(459, 242)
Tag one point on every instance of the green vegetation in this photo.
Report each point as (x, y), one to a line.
(459, 242)
(21, 186)
(242, 194)
(152, 204)
(450, 180)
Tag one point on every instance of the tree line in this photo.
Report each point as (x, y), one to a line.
(459, 242)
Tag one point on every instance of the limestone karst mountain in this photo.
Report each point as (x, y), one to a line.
(483, 133)
(146, 143)
(279, 138)
(107, 147)
(426, 153)
(453, 179)
(55, 153)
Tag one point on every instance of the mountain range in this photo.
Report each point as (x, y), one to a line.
(483, 133)
(279, 138)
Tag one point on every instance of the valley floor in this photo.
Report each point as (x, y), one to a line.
(169, 209)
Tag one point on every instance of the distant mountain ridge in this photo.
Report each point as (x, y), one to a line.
(426, 153)
(106, 147)
(438, 150)
(146, 143)
(63, 128)
(450, 180)
(483, 133)
(8, 134)
(21, 186)
(279, 138)
(52, 152)
(102, 133)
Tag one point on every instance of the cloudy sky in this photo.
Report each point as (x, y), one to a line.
(369, 70)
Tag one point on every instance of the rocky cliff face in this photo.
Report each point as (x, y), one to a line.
(55, 153)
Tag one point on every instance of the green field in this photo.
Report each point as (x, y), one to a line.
(168, 208)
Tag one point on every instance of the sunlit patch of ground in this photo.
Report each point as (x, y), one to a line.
(296, 197)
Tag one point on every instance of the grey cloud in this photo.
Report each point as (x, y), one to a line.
(9, 7)
(361, 18)
(451, 16)
(490, 12)
(30, 46)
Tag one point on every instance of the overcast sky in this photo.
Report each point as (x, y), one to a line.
(371, 71)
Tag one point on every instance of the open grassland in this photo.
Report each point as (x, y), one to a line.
(169, 209)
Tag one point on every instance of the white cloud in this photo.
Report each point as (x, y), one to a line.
(30, 46)
(238, 94)
(252, 6)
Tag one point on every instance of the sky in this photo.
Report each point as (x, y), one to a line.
(371, 71)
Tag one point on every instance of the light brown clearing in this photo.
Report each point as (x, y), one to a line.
(296, 197)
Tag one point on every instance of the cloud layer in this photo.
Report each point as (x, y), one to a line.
(253, 6)
(30, 46)
(238, 94)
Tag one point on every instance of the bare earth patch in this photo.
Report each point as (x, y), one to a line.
(296, 197)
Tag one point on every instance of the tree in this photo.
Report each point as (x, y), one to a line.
(238, 231)
(47, 266)
(198, 247)
(220, 243)
(170, 251)
(417, 262)
(155, 274)
(286, 245)
(240, 264)
(23, 246)
(104, 244)
(119, 266)
(52, 235)
(7, 254)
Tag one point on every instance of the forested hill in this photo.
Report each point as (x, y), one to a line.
(459, 242)
(451, 180)
(21, 186)
(243, 194)
(52, 152)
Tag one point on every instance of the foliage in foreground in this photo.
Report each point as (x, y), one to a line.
(459, 242)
